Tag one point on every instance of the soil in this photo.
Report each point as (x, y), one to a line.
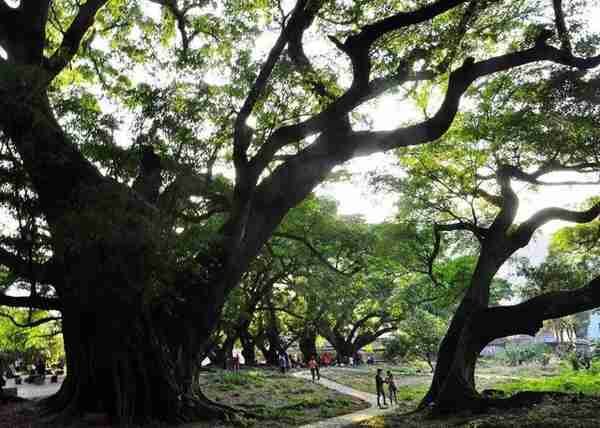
(552, 411)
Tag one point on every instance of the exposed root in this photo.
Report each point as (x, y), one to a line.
(493, 399)
(200, 407)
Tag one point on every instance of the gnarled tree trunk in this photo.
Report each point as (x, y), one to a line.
(308, 343)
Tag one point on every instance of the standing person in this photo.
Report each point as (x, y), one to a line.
(236, 362)
(391, 388)
(286, 356)
(314, 368)
(379, 386)
(282, 362)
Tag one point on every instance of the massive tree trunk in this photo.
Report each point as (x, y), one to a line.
(473, 326)
(133, 325)
(344, 351)
(248, 348)
(454, 373)
(308, 343)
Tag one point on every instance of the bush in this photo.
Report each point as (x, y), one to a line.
(396, 348)
(516, 354)
(244, 378)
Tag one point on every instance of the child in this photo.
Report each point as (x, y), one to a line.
(392, 388)
(314, 368)
(379, 385)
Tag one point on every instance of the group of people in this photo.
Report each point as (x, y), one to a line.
(286, 362)
(380, 382)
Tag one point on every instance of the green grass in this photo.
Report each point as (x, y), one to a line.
(586, 382)
(279, 400)
(363, 379)
(574, 411)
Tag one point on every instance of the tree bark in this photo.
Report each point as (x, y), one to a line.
(455, 363)
(248, 349)
(308, 343)
(133, 325)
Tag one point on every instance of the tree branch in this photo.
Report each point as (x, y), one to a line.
(527, 317)
(242, 134)
(25, 269)
(181, 19)
(369, 142)
(29, 324)
(31, 302)
(526, 229)
(359, 323)
(561, 26)
(298, 56)
(316, 252)
(509, 206)
(73, 36)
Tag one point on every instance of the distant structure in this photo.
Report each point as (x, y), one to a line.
(593, 331)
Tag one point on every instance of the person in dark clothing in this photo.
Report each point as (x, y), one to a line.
(379, 386)
(391, 388)
(40, 366)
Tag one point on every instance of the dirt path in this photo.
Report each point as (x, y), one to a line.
(341, 421)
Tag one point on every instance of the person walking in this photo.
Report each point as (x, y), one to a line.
(236, 362)
(314, 368)
(379, 386)
(391, 388)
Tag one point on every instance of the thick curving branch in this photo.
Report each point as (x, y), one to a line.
(369, 142)
(525, 231)
(382, 315)
(527, 317)
(479, 232)
(298, 56)
(460, 79)
(357, 47)
(72, 38)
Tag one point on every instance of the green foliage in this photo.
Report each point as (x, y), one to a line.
(419, 337)
(253, 378)
(26, 343)
(517, 354)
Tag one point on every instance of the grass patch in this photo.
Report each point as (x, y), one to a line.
(280, 400)
(566, 381)
(573, 411)
(363, 379)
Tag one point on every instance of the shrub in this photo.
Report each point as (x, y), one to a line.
(516, 354)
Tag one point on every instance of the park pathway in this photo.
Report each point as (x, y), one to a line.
(341, 421)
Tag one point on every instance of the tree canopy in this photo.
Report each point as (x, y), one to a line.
(150, 150)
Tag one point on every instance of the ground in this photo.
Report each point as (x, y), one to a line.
(565, 412)
(286, 401)
(577, 410)
(281, 401)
